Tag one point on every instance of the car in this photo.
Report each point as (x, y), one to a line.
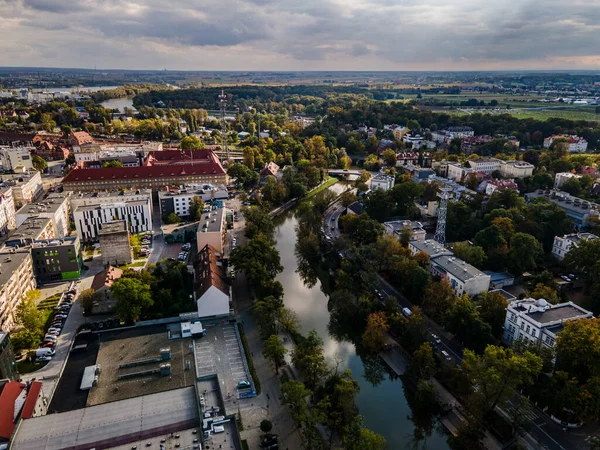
(446, 355)
(566, 278)
(48, 345)
(57, 329)
(379, 294)
(269, 440)
(245, 384)
(72, 292)
(50, 338)
(436, 338)
(44, 358)
(61, 315)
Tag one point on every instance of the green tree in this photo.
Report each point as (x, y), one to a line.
(578, 348)
(266, 426)
(275, 351)
(525, 252)
(133, 297)
(245, 176)
(294, 395)
(258, 222)
(492, 308)
(196, 207)
(113, 163)
(438, 299)
(375, 331)
(423, 362)
(497, 373)
(372, 163)
(309, 359)
(28, 315)
(347, 198)
(506, 199)
(171, 219)
(546, 292)
(473, 254)
(39, 163)
(86, 298)
(259, 260)
(25, 339)
(389, 157)
(191, 143)
(465, 322)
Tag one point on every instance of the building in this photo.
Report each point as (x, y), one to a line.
(397, 226)
(457, 172)
(103, 301)
(114, 243)
(34, 228)
(108, 197)
(8, 366)
(57, 259)
(304, 121)
(19, 401)
(576, 144)
(463, 277)
(499, 280)
(484, 165)
(178, 157)
(382, 181)
(212, 290)
(399, 132)
(79, 138)
(178, 199)
(460, 132)
(26, 187)
(539, 322)
(516, 169)
(8, 219)
(147, 177)
(562, 177)
(578, 210)
(16, 279)
(90, 219)
(562, 245)
(211, 230)
(471, 144)
(500, 185)
(50, 151)
(270, 169)
(54, 207)
(16, 159)
(420, 174)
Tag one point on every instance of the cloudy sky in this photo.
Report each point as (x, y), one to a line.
(301, 34)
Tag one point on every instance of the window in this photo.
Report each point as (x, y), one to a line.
(527, 330)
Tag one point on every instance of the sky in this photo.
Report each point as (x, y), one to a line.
(301, 34)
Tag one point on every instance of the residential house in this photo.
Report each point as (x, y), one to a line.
(26, 187)
(212, 290)
(382, 181)
(54, 207)
(103, 301)
(562, 245)
(458, 172)
(79, 138)
(396, 227)
(576, 144)
(460, 132)
(270, 169)
(500, 185)
(33, 228)
(538, 322)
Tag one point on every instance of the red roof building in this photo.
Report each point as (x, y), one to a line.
(79, 138)
(19, 400)
(270, 169)
(169, 157)
(211, 288)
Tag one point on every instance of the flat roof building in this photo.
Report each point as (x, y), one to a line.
(212, 229)
(34, 228)
(55, 207)
(578, 210)
(177, 199)
(57, 259)
(396, 227)
(562, 245)
(114, 243)
(16, 279)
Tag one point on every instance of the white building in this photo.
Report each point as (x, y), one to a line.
(576, 144)
(457, 172)
(562, 245)
(178, 199)
(484, 165)
(26, 187)
(55, 207)
(463, 277)
(8, 220)
(413, 140)
(460, 132)
(16, 159)
(499, 185)
(562, 177)
(382, 181)
(211, 230)
(399, 132)
(211, 289)
(16, 279)
(516, 169)
(89, 219)
(397, 226)
(539, 322)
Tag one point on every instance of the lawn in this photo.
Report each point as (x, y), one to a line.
(327, 184)
(570, 114)
(27, 366)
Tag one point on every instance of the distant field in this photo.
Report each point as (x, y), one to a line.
(572, 114)
(502, 99)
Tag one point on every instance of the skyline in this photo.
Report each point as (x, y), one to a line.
(267, 35)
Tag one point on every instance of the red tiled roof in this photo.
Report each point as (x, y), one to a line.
(9, 394)
(106, 278)
(128, 173)
(208, 273)
(32, 396)
(80, 137)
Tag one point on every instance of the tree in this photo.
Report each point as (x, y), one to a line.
(372, 163)
(464, 321)
(492, 308)
(294, 394)
(308, 358)
(196, 207)
(258, 259)
(358, 437)
(379, 205)
(112, 163)
(546, 292)
(191, 143)
(473, 254)
(245, 176)
(423, 362)
(28, 315)
(375, 332)
(258, 222)
(39, 163)
(171, 219)
(25, 339)
(266, 426)
(347, 198)
(497, 373)
(438, 299)
(525, 252)
(133, 297)
(273, 191)
(86, 298)
(578, 348)
(413, 125)
(275, 351)
(389, 157)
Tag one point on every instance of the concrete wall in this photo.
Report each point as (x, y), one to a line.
(115, 248)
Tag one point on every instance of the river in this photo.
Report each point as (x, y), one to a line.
(384, 407)
(118, 103)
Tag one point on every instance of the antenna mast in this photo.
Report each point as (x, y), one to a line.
(223, 105)
(440, 231)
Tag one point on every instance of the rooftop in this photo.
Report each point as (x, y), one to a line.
(106, 278)
(399, 225)
(117, 226)
(118, 202)
(111, 424)
(546, 314)
(43, 243)
(457, 267)
(577, 237)
(30, 229)
(431, 247)
(10, 263)
(212, 221)
(49, 205)
(191, 189)
(209, 271)
(566, 201)
(122, 194)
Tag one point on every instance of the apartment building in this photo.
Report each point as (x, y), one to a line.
(89, 219)
(382, 181)
(516, 169)
(8, 220)
(16, 279)
(211, 230)
(26, 187)
(177, 199)
(55, 207)
(399, 132)
(34, 228)
(463, 277)
(457, 172)
(576, 144)
(562, 177)
(539, 322)
(484, 165)
(78, 199)
(16, 159)
(562, 245)
(56, 259)
(396, 227)
(212, 291)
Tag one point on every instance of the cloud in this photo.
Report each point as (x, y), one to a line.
(301, 35)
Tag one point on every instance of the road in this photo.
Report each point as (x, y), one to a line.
(546, 433)
(49, 374)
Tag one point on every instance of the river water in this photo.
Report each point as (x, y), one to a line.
(384, 407)
(118, 103)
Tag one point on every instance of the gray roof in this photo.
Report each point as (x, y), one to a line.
(109, 194)
(214, 221)
(30, 228)
(10, 263)
(566, 201)
(563, 311)
(58, 242)
(117, 226)
(577, 237)
(431, 247)
(115, 423)
(118, 203)
(49, 205)
(458, 268)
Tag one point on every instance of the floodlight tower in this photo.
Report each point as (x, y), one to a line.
(440, 231)
(223, 105)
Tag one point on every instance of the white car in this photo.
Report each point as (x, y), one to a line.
(44, 358)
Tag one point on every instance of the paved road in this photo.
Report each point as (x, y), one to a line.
(49, 374)
(547, 434)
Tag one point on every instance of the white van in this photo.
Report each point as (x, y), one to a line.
(407, 312)
(446, 355)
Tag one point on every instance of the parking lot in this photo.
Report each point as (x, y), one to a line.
(219, 352)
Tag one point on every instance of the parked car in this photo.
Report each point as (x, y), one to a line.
(446, 355)
(44, 352)
(245, 384)
(44, 358)
(48, 345)
(436, 339)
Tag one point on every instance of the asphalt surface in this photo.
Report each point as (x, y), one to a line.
(547, 434)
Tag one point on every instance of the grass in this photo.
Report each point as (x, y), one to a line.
(133, 264)
(245, 445)
(49, 303)
(322, 187)
(27, 366)
(249, 360)
(570, 114)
